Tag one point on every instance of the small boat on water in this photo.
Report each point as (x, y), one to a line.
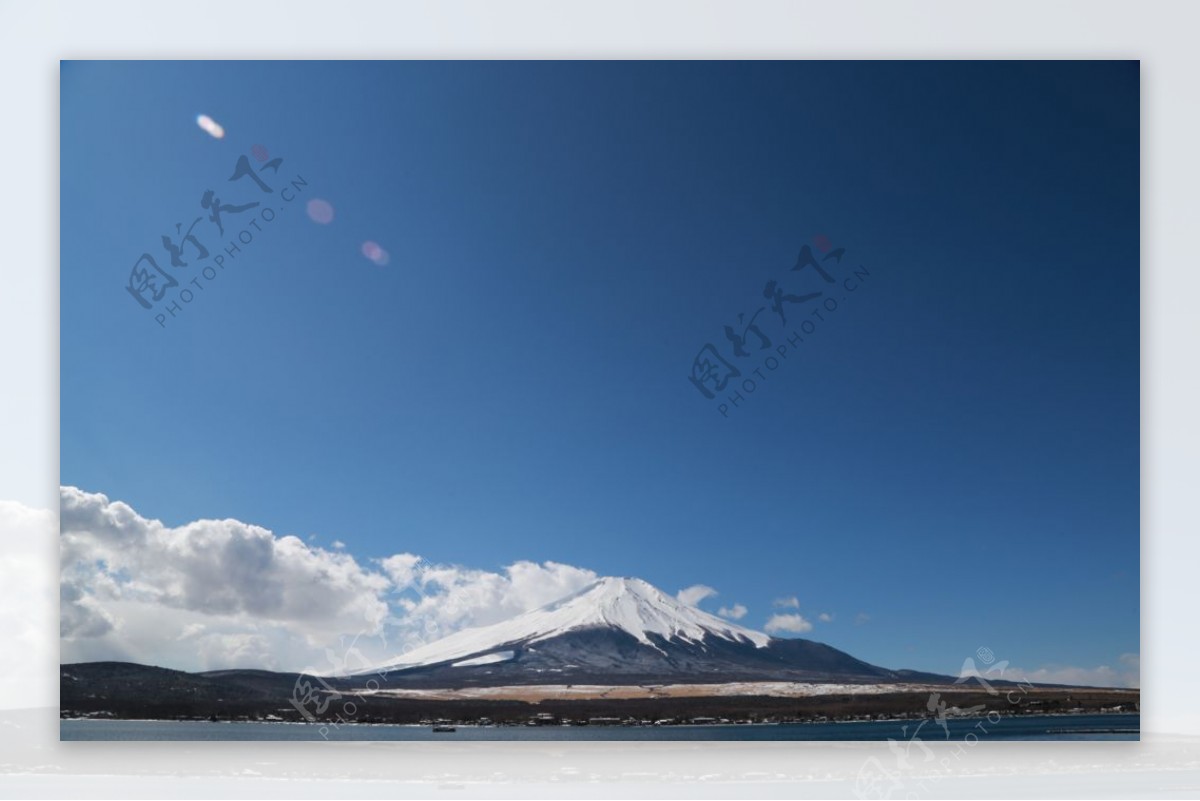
(443, 727)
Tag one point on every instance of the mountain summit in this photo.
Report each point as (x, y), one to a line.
(622, 631)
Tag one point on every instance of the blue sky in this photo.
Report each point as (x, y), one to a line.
(954, 452)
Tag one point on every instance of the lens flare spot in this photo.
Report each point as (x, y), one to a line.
(210, 126)
(375, 253)
(259, 152)
(822, 242)
(319, 211)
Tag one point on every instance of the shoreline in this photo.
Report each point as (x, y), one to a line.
(474, 725)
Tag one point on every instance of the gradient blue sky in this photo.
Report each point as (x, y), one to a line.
(954, 454)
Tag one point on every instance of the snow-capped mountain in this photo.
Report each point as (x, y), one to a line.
(628, 605)
(621, 631)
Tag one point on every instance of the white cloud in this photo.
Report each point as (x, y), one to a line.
(401, 568)
(81, 614)
(789, 623)
(221, 593)
(693, 595)
(213, 567)
(1127, 673)
(451, 597)
(861, 618)
(787, 603)
(825, 617)
(190, 630)
(735, 612)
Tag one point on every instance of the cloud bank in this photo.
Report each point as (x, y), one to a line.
(1126, 673)
(221, 593)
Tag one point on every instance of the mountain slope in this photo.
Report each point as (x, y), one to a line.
(621, 631)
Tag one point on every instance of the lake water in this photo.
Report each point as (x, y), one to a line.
(1032, 727)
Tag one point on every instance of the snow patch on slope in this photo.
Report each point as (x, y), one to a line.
(487, 659)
